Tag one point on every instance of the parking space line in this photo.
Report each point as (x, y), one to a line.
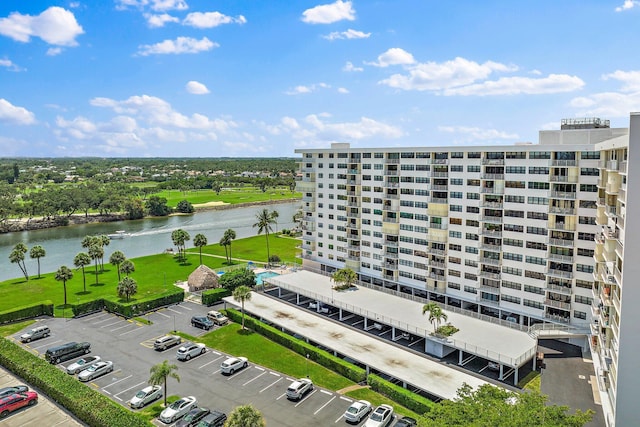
(137, 385)
(326, 392)
(175, 311)
(273, 383)
(238, 373)
(186, 308)
(209, 363)
(128, 332)
(323, 406)
(162, 314)
(259, 368)
(116, 382)
(416, 342)
(275, 373)
(111, 324)
(347, 399)
(281, 396)
(103, 320)
(305, 399)
(44, 345)
(338, 420)
(254, 378)
(121, 327)
(215, 352)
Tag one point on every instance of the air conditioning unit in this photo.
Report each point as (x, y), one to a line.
(611, 278)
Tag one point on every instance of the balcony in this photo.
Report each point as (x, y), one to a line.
(565, 290)
(353, 171)
(392, 184)
(353, 203)
(562, 226)
(392, 161)
(392, 173)
(611, 211)
(488, 275)
(557, 318)
(493, 162)
(441, 252)
(492, 219)
(622, 168)
(492, 190)
(564, 178)
(493, 233)
(622, 194)
(492, 205)
(560, 242)
(564, 163)
(436, 264)
(437, 276)
(492, 176)
(490, 247)
(391, 255)
(612, 166)
(353, 214)
(490, 261)
(435, 161)
(558, 304)
(391, 243)
(440, 174)
(564, 211)
(435, 187)
(559, 273)
(562, 258)
(353, 181)
(438, 200)
(612, 188)
(563, 195)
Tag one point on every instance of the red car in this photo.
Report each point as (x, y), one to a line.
(16, 401)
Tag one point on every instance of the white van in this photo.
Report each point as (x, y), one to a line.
(35, 334)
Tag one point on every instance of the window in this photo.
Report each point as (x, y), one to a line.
(473, 168)
(515, 169)
(590, 155)
(456, 181)
(473, 182)
(537, 215)
(587, 220)
(473, 155)
(470, 289)
(514, 214)
(537, 200)
(585, 252)
(512, 242)
(511, 270)
(582, 300)
(457, 168)
(538, 185)
(453, 247)
(579, 314)
(455, 234)
(514, 228)
(473, 196)
(584, 284)
(536, 245)
(473, 209)
(588, 204)
(584, 268)
(534, 290)
(537, 230)
(470, 250)
(511, 285)
(588, 188)
(540, 155)
(535, 170)
(509, 298)
(535, 260)
(455, 195)
(514, 199)
(516, 155)
(455, 208)
(535, 275)
(457, 155)
(589, 172)
(586, 236)
(533, 304)
(512, 257)
(452, 285)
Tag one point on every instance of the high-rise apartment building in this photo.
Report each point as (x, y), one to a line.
(531, 233)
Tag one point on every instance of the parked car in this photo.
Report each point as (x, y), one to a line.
(299, 388)
(35, 334)
(357, 411)
(166, 341)
(190, 349)
(233, 364)
(178, 409)
(96, 370)
(66, 351)
(193, 417)
(146, 396)
(214, 419)
(217, 317)
(16, 401)
(406, 422)
(380, 417)
(8, 391)
(201, 322)
(82, 364)
(493, 366)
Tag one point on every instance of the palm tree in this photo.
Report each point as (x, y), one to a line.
(63, 274)
(436, 315)
(274, 215)
(245, 416)
(200, 240)
(87, 241)
(104, 241)
(344, 278)
(17, 257)
(127, 267)
(116, 259)
(242, 294)
(80, 261)
(224, 242)
(95, 253)
(265, 220)
(127, 287)
(160, 373)
(37, 252)
(179, 237)
(230, 234)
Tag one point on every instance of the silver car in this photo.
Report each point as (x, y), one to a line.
(357, 411)
(82, 364)
(381, 417)
(299, 388)
(166, 341)
(146, 396)
(189, 350)
(178, 409)
(96, 370)
(233, 364)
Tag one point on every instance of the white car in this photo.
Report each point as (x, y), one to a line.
(357, 411)
(380, 417)
(190, 349)
(178, 409)
(146, 396)
(299, 388)
(95, 370)
(82, 364)
(233, 364)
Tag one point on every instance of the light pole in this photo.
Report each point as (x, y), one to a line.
(307, 365)
(174, 323)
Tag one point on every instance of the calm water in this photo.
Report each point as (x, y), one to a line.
(148, 236)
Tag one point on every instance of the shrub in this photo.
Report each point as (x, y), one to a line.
(26, 312)
(446, 330)
(212, 296)
(274, 259)
(135, 308)
(404, 397)
(88, 307)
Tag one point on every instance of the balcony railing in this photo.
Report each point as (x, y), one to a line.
(435, 161)
(559, 242)
(564, 178)
(561, 289)
(492, 176)
(491, 233)
(562, 226)
(491, 190)
(558, 304)
(491, 218)
(391, 255)
(559, 273)
(491, 289)
(493, 162)
(495, 276)
(440, 174)
(564, 163)
(562, 258)
(489, 247)
(493, 205)
(490, 261)
(439, 187)
(563, 195)
(438, 200)
(392, 161)
(612, 188)
(622, 167)
(564, 211)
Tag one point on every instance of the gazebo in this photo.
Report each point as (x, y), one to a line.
(202, 278)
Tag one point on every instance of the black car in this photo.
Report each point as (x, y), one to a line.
(8, 391)
(201, 322)
(193, 417)
(214, 419)
(406, 422)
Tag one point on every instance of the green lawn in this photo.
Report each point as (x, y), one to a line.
(231, 196)
(6, 330)
(155, 274)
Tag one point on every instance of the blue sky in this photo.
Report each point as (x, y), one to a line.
(198, 78)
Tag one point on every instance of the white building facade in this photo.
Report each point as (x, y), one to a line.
(530, 233)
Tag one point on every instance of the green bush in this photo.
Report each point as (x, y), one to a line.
(212, 296)
(136, 308)
(401, 395)
(88, 307)
(324, 358)
(91, 407)
(26, 312)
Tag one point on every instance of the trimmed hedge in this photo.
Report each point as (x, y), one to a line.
(130, 309)
(88, 405)
(324, 358)
(26, 312)
(401, 395)
(88, 307)
(212, 296)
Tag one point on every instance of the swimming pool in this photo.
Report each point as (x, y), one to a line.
(265, 275)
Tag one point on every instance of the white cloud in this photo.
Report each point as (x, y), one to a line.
(74, 4)
(158, 21)
(394, 56)
(54, 51)
(349, 67)
(178, 46)
(329, 13)
(124, 4)
(468, 134)
(163, 5)
(553, 83)
(211, 19)
(56, 26)
(631, 79)
(10, 65)
(612, 104)
(196, 88)
(349, 34)
(298, 90)
(628, 4)
(343, 90)
(365, 128)
(11, 114)
(446, 75)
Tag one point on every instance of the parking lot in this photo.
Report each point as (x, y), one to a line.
(129, 344)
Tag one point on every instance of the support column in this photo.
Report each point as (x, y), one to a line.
(393, 333)
(535, 360)
(515, 377)
(365, 323)
(297, 299)
(460, 353)
(340, 314)
(279, 292)
(501, 377)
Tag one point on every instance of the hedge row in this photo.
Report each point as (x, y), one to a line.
(91, 407)
(212, 296)
(26, 312)
(401, 395)
(324, 358)
(130, 309)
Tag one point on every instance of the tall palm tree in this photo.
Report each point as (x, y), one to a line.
(229, 234)
(127, 287)
(37, 252)
(127, 267)
(264, 221)
(116, 259)
(95, 253)
(274, 215)
(242, 294)
(17, 257)
(245, 416)
(80, 261)
(160, 373)
(179, 237)
(224, 242)
(64, 274)
(200, 240)
(104, 241)
(436, 315)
